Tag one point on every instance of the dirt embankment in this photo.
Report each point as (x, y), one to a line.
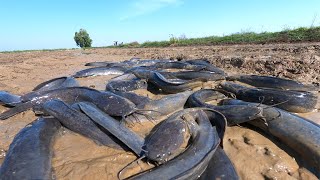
(295, 61)
(76, 157)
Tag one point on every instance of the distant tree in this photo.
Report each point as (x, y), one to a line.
(82, 38)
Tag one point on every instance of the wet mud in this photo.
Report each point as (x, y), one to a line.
(254, 155)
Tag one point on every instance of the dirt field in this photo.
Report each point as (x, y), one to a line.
(75, 157)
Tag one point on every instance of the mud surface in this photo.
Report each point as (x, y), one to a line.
(255, 155)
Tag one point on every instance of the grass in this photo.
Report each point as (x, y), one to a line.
(302, 34)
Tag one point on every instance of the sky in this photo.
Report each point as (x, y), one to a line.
(51, 24)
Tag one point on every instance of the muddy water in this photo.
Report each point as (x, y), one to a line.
(314, 116)
(259, 156)
(76, 157)
(256, 157)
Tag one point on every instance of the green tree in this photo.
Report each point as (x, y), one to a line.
(82, 38)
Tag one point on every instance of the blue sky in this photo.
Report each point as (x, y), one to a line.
(46, 24)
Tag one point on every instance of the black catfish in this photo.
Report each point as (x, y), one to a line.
(100, 64)
(100, 71)
(117, 129)
(173, 86)
(126, 85)
(167, 139)
(207, 64)
(29, 155)
(110, 103)
(220, 167)
(79, 123)
(302, 135)
(293, 101)
(178, 65)
(193, 161)
(133, 97)
(272, 82)
(189, 75)
(160, 144)
(56, 83)
(235, 114)
(166, 105)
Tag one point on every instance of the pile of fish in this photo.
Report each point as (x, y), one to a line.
(187, 143)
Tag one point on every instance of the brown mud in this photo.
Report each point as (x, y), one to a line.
(76, 157)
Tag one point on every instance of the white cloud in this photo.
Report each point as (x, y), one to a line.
(142, 7)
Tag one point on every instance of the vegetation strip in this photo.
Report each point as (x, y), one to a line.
(301, 34)
(298, 35)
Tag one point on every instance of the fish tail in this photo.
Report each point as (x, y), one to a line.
(16, 110)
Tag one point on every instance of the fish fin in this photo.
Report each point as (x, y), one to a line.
(141, 112)
(150, 118)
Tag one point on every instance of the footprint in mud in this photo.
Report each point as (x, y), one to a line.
(247, 148)
(274, 174)
(281, 170)
(268, 152)
(248, 139)
(237, 144)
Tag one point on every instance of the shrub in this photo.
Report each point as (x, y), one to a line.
(82, 38)
(133, 44)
